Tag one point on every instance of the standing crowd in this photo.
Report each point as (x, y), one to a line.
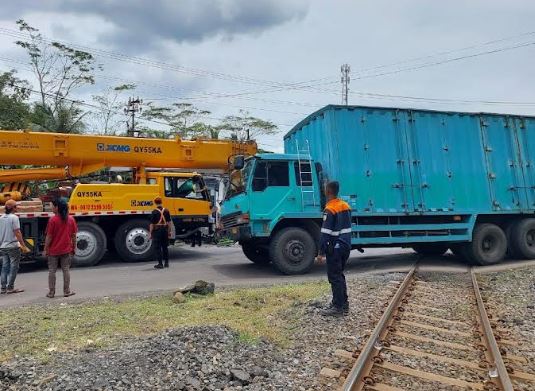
(60, 244)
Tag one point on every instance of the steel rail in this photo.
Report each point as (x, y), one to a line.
(503, 376)
(361, 365)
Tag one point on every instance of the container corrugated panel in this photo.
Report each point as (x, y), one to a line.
(399, 161)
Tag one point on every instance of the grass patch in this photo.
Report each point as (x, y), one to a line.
(254, 313)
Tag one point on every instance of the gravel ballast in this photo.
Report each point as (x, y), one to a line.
(215, 357)
(510, 300)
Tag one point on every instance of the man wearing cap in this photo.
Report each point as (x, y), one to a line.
(160, 231)
(11, 244)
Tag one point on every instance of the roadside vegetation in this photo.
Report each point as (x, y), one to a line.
(39, 331)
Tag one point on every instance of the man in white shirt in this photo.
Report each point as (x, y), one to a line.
(11, 243)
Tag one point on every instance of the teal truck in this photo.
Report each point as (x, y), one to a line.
(422, 179)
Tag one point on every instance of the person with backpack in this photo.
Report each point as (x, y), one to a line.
(160, 233)
(60, 244)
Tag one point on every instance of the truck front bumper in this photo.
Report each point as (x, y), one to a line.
(238, 233)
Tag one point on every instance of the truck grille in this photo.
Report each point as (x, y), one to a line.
(230, 220)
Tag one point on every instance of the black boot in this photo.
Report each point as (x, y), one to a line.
(158, 266)
(334, 311)
(166, 264)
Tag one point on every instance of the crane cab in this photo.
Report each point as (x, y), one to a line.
(118, 215)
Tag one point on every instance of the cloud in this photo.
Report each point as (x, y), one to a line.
(141, 24)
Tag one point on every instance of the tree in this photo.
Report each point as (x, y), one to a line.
(201, 129)
(59, 70)
(14, 111)
(184, 119)
(66, 119)
(108, 117)
(245, 127)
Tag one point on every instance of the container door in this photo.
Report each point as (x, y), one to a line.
(429, 161)
(525, 135)
(503, 163)
(383, 180)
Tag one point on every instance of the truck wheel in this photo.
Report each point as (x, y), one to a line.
(132, 241)
(90, 244)
(488, 245)
(292, 251)
(430, 249)
(255, 253)
(522, 239)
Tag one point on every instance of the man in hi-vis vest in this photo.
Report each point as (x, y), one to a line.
(160, 232)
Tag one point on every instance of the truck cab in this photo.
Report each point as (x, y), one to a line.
(273, 208)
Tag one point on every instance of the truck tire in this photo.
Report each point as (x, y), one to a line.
(431, 249)
(488, 246)
(132, 241)
(292, 251)
(90, 244)
(256, 254)
(522, 239)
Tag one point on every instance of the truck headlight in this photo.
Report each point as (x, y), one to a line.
(242, 219)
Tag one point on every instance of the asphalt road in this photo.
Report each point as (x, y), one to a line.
(223, 266)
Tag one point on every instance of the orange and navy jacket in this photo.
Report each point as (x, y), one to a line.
(336, 228)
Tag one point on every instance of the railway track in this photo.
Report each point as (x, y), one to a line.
(437, 335)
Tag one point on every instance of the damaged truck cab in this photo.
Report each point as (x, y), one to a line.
(274, 211)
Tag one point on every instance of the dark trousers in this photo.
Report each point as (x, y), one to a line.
(161, 242)
(336, 262)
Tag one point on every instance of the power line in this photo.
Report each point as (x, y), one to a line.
(429, 56)
(157, 64)
(281, 86)
(300, 86)
(417, 67)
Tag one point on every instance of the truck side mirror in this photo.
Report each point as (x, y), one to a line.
(239, 162)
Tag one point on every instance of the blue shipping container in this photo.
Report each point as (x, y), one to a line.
(420, 161)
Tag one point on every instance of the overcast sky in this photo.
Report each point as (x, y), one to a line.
(260, 49)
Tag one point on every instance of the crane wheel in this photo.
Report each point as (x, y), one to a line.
(132, 241)
(90, 244)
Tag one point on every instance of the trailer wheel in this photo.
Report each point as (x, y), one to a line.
(488, 246)
(430, 249)
(255, 253)
(292, 251)
(522, 239)
(132, 241)
(90, 244)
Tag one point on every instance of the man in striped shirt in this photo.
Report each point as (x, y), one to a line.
(335, 245)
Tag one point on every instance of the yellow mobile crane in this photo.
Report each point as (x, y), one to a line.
(117, 214)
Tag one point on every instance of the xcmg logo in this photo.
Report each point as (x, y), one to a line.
(101, 147)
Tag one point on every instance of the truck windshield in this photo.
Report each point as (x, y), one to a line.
(238, 179)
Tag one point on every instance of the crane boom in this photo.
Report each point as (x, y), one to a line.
(81, 154)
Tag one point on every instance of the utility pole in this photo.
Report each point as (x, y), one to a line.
(132, 107)
(345, 69)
